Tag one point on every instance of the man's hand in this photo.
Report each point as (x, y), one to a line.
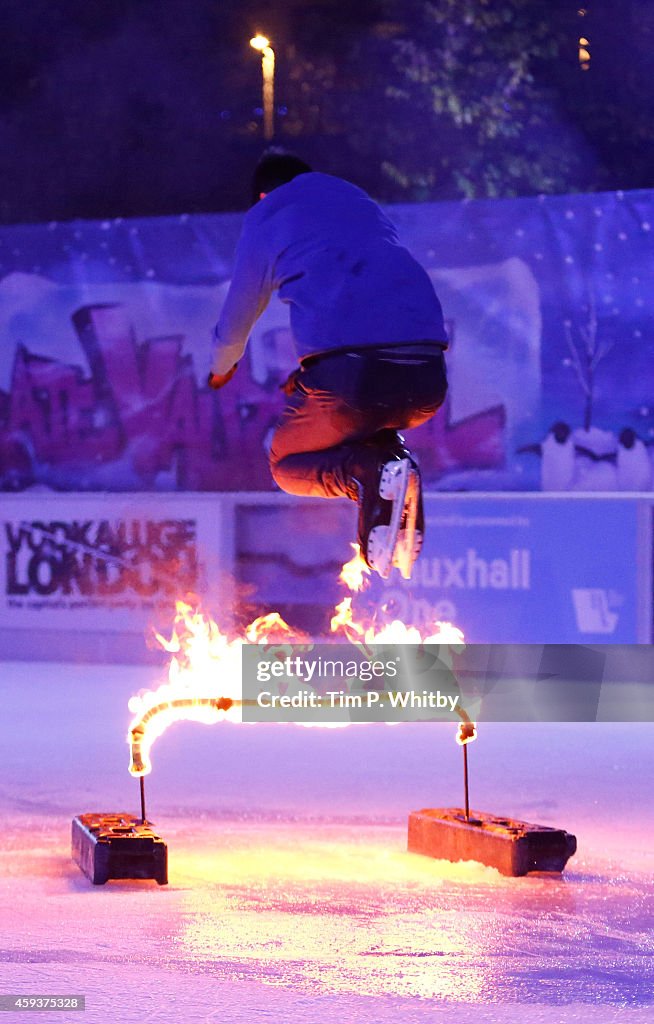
(218, 380)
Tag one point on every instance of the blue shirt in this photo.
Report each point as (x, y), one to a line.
(335, 259)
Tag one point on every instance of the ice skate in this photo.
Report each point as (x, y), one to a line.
(411, 532)
(412, 526)
(383, 511)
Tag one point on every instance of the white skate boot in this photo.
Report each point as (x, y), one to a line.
(392, 538)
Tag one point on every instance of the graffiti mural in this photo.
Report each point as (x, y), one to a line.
(105, 349)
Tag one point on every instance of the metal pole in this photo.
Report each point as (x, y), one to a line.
(268, 70)
(465, 780)
(142, 788)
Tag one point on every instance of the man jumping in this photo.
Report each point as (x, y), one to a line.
(370, 336)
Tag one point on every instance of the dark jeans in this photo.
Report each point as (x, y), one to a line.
(341, 402)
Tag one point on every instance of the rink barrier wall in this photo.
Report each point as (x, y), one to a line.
(86, 577)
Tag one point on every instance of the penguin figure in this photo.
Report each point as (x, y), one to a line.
(633, 463)
(596, 458)
(557, 452)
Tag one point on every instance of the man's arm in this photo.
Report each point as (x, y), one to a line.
(217, 381)
(249, 294)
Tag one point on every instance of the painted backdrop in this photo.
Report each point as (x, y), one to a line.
(549, 302)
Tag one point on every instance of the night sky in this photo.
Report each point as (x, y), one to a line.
(136, 107)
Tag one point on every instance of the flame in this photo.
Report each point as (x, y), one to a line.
(466, 733)
(343, 615)
(398, 632)
(204, 676)
(270, 629)
(395, 632)
(355, 573)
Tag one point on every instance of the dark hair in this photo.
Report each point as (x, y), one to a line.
(276, 167)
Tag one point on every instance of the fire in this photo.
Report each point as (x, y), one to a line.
(467, 732)
(395, 632)
(204, 676)
(198, 649)
(270, 629)
(355, 573)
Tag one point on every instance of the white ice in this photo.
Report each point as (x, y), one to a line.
(291, 896)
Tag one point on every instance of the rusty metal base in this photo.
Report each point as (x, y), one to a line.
(118, 846)
(512, 847)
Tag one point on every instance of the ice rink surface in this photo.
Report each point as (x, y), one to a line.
(291, 895)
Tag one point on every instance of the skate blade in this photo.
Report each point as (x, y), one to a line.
(382, 540)
(380, 550)
(404, 558)
(409, 540)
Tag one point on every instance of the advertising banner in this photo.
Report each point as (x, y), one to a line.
(112, 563)
(534, 570)
(504, 568)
